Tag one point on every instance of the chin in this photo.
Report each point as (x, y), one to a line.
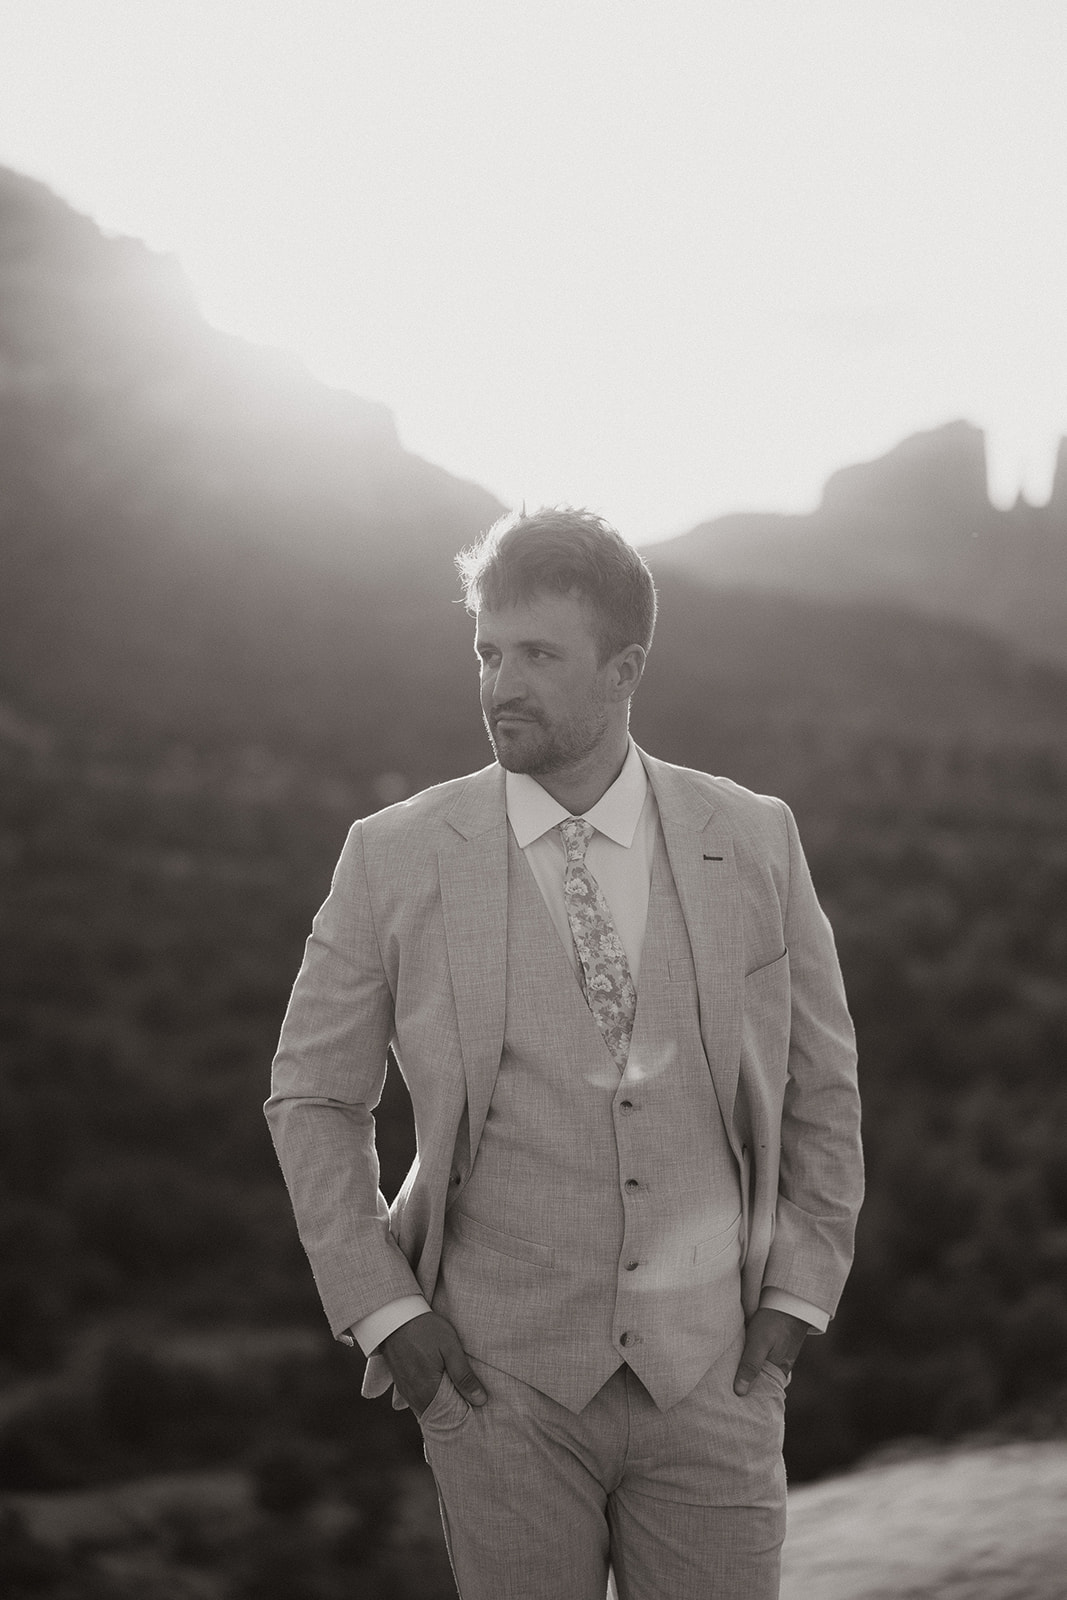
(515, 761)
(513, 758)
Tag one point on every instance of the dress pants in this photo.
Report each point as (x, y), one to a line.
(539, 1503)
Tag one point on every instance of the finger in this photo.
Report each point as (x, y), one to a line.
(459, 1370)
(419, 1351)
(752, 1358)
(417, 1385)
(757, 1349)
(415, 1363)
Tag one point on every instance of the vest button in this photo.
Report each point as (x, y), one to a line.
(626, 1105)
(632, 1266)
(629, 1339)
(632, 1183)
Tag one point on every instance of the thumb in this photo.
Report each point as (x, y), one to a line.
(459, 1370)
(748, 1367)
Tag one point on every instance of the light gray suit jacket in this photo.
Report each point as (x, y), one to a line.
(409, 950)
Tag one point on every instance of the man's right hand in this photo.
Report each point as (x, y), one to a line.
(419, 1351)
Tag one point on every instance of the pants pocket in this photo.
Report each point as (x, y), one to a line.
(447, 1409)
(776, 1375)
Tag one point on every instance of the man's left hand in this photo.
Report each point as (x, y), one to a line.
(773, 1336)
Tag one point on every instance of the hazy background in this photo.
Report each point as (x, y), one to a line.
(292, 302)
(670, 259)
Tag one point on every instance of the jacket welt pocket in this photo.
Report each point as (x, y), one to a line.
(769, 968)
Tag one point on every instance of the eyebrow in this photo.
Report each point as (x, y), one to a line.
(522, 644)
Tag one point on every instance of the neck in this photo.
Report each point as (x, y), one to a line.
(579, 787)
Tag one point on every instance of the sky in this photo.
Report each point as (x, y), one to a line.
(664, 258)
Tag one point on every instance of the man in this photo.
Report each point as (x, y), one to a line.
(618, 1011)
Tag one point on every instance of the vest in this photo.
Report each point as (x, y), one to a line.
(601, 1220)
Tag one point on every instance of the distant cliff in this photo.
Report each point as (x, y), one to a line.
(184, 515)
(915, 527)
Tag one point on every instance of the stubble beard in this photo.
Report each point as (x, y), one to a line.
(555, 749)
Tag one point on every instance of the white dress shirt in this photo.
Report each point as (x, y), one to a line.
(620, 856)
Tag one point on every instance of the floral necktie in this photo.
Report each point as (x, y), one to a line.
(604, 969)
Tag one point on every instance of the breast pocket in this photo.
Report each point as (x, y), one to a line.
(765, 1029)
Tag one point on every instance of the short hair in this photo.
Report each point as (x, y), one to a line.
(564, 551)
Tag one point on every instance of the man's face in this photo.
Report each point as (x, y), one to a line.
(545, 697)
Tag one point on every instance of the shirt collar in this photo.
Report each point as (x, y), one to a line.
(532, 810)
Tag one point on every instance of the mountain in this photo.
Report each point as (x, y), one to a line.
(178, 507)
(116, 395)
(205, 550)
(914, 527)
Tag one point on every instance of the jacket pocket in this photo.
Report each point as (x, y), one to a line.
(767, 970)
(765, 1027)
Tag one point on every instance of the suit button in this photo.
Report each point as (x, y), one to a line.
(629, 1339)
(455, 1178)
(626, 1105)
(632, 1266)
(632, 1183)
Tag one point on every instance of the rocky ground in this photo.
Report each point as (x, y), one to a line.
(975, 1524)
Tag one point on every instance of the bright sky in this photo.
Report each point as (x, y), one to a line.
(667, 258)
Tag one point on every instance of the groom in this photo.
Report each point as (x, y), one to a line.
(619, 1014)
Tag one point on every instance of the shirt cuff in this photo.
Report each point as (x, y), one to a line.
(369, 1332)
(781, 1300)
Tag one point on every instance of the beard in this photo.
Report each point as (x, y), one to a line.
(537, 747)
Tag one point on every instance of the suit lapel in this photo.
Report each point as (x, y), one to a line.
(701, 853)
(473, 867)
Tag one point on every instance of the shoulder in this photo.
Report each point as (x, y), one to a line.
(423, 817)
(730, 802)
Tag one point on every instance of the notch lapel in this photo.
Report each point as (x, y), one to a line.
(701, 853)
(473, 867)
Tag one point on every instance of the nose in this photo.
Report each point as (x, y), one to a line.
(508, 685)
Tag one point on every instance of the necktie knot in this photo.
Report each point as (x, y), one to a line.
(576, 836)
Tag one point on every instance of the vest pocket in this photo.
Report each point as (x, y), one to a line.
(473, 1232)
(717, 1243)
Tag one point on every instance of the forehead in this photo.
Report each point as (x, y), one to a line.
(562, 619)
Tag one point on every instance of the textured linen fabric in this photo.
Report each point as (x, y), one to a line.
(651, 1277)
(606, 981)
(620, 854)
(688, 1504)
(409, 950)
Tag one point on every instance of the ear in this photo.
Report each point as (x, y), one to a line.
(627, 669)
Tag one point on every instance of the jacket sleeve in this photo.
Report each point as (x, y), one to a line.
(327, 1078)
(820, 1183)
